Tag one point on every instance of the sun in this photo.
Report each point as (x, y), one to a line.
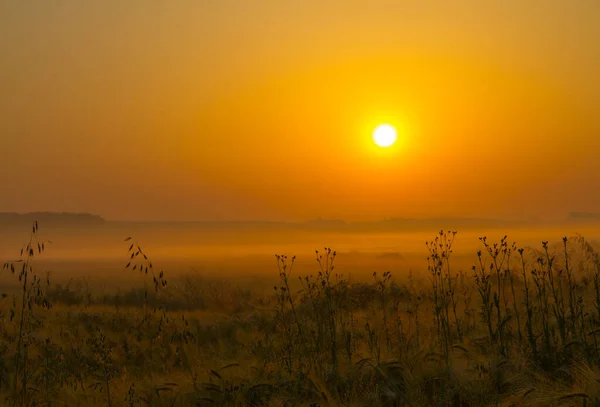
(384, 135)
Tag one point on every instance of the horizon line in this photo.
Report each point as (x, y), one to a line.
(570, 216)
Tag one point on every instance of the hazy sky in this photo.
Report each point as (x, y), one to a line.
(256, 109)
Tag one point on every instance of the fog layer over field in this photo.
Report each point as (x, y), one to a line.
(243, 251)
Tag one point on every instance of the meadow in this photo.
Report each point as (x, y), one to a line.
(491, 324)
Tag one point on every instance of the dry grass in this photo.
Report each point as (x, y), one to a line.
(519, 329)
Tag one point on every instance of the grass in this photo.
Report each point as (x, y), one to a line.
(521, 328)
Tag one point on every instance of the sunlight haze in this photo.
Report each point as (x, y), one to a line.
(242, 110)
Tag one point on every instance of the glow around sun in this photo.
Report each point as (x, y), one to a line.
(384, 135)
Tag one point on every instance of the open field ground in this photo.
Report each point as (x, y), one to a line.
(385, 321)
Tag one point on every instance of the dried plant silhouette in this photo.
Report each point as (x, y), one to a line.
(520, 328)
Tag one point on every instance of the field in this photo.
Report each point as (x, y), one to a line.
(491, 323)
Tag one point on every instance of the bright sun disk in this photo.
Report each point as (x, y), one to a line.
(384, 135)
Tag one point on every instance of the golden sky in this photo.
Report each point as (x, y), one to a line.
(256, 109)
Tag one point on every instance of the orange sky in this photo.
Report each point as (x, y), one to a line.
(261, 109)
